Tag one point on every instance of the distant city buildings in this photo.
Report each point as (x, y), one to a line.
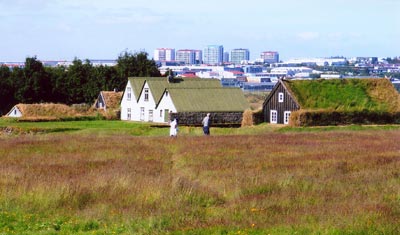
(213, 54)
(164, 54)
(239, 55)
(270, 57)
(186, 56)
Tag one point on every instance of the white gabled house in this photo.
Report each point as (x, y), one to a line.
(156, 99)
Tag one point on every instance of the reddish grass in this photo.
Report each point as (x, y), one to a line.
(342, 179)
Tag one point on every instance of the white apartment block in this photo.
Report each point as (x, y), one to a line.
(186, 56)
(213, 54)
(239, 55)
(164, 54)
(270, 56)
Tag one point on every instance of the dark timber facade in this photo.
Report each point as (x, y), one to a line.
(279, 104)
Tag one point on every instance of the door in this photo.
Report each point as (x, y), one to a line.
(166, 115)
(274, 116)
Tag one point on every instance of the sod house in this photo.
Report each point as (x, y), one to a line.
(189, 100)
(332, 102)
(44, 111)
(108, 100)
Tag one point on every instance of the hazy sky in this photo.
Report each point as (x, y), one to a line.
(102, 29)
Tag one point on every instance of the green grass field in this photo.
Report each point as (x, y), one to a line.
(114, 177)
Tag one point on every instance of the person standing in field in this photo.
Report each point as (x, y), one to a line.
(173, 130)
(206, 124)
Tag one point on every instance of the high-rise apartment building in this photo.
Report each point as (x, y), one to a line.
(199, 56)
(186, 56)
(164, 54)
(270, 56)
(213, 54)
(239, 55)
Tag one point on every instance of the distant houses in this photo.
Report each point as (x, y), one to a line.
(332, 102)
(190, 99)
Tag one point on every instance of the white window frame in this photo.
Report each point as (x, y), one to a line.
(128, 93)
(142, 113)
(280, 97)
(150, 115)
(286, 117)
(129, 114)
(274, 116)
(146, 94)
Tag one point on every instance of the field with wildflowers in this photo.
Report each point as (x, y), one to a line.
(258, 180)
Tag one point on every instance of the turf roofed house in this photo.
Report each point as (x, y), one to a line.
(332, 102)
(108, 100)
(157, 100)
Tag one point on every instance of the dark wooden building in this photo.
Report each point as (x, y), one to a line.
(279, 104)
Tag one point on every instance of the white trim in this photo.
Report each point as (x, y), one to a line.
(273, 117)
(280, 97)
(286, 117)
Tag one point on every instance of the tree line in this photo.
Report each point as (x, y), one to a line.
(78, 83)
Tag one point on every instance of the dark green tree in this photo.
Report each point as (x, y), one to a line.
(6, 90)
(136, 65)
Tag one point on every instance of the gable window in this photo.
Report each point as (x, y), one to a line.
(146, 94)
(274, 116)
(128, 114)
(286, 117)
(141, 113)
(128, 93)
(150, 115)
(280, 97)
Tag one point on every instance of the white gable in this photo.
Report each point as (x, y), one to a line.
(14, 112)
(128, 103)
(165, 106)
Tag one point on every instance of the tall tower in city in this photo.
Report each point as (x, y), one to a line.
(270, 56)
(239, 55)
(213, 54)
(164, 54)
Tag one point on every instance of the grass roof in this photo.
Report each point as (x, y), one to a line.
(112, 99)
(346, 94)
(47, 110)
(208, 100)
(159, 84)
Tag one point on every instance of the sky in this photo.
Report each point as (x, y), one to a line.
(103, 29)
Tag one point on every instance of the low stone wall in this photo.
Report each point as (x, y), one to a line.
(217, 118)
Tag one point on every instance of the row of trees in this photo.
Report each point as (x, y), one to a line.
(79, 83)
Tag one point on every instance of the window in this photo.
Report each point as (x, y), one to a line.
(141, 113)
(160, 113)
(146, 94)
(150, 115)
(128, 115)
(286, 117)
(128, 93)
(280, 97)
(166, 93)
(274, 116)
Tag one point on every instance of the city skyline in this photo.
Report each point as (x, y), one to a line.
(64, 30)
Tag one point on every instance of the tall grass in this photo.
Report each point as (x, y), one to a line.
(337, 182)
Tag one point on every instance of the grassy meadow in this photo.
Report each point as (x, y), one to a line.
(114, 177)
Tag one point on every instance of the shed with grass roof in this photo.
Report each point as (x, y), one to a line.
(332, 102)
